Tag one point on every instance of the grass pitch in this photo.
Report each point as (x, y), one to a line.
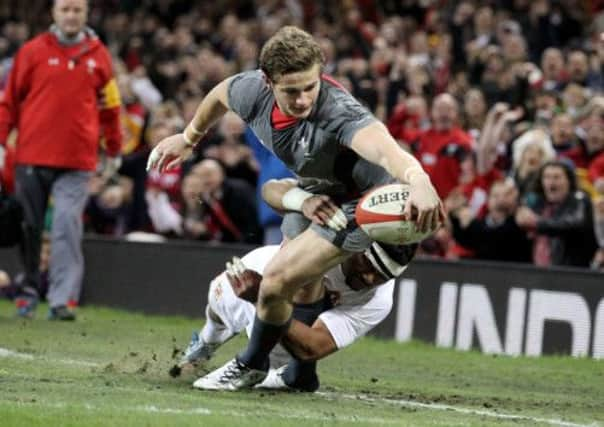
(111, 368)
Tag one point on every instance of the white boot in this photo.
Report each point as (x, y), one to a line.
(232, 376)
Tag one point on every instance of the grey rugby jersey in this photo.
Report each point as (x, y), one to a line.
(317, 149)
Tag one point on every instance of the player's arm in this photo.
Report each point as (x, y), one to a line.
(374, 143)
(213, 106)
(284, 195)
(273, 191)
(309, 343)
(340, 326)
(175, 149)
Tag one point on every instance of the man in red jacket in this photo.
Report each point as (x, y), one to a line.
(441, 148)
(62, 98)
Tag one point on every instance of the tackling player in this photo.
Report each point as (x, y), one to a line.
(362, 287)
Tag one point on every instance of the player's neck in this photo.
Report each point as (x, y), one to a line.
(280, 120)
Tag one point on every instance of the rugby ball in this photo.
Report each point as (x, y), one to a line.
(379, 213)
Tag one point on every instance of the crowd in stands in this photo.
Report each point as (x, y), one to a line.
(501, 102)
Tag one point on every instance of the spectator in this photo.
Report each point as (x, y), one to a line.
(230, 205)
(408, 118)
(138, 96)
(563, 133)
(560, 219)
(474, 112)
(492, 147)
(132, 115)
(551, 23)
(441, 148)
(194, 212)
(553, 68)
(575, 98)
(588, 155)
(578, 68)
(230, 150)
(62, 97)
(163, 189)
(513, 48)
(459, 28)
(530, 151)
(487, 71)
(546, 105)
(496, 236)
(588, 150)
(108, 208)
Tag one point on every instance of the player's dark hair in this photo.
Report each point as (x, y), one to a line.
(289, 50)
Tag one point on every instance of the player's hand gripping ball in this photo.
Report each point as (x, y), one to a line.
(380, 214)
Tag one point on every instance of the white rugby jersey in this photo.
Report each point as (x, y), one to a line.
(356, 314)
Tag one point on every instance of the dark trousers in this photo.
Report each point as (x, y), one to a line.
(68, 190)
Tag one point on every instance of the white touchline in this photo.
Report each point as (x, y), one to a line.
(462, 410)
(206, 411)
(153, 408)
(303, 416)
(4, 352)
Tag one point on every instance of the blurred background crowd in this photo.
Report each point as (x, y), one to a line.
(501, 101)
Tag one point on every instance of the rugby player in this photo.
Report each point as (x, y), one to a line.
(334, 145)
(361, 289)
(352, 286)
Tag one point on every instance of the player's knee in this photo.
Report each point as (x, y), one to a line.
(274, 283)
(270, 296)
(273, 290)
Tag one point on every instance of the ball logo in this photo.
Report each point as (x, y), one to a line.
(393, 196)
